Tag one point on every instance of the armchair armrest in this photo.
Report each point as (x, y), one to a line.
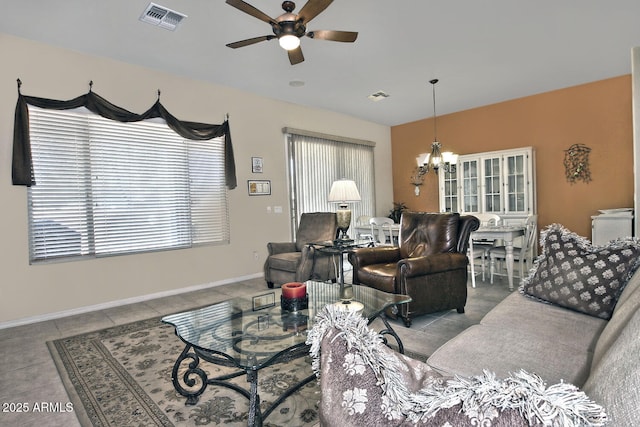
(435, 263)
(281, 247)
(380, 255)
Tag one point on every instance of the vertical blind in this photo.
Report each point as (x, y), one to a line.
(317, 161)
(108, 188)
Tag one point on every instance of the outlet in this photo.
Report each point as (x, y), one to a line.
(255, 255)
(277, 209)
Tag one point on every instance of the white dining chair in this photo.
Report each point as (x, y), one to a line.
(363, 230)
(381, 229)
(523, 254)
(479, 249)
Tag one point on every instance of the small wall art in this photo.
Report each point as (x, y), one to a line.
(576, 163)
(259, 187)
(256, 164)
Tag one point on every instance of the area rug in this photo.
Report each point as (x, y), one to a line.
(121, 376)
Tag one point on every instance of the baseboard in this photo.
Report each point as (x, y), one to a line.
(133, 300)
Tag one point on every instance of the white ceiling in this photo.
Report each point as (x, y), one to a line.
(483, 51)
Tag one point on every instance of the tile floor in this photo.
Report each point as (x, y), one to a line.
(29, 376)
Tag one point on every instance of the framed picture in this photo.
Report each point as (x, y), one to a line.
(259, 187)
(264, 301)
(256, 164)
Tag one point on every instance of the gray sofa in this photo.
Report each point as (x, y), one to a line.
(528, 361)
(600, 356)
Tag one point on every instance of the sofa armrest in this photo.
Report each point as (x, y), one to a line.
(435, 263)
(380, 255)
(281, 247)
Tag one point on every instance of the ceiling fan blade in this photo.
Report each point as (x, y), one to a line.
(312, 9)
(336, 36)
(247, 8)
(295, 56)
(247, 42)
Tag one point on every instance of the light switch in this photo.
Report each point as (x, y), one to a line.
(277, 209)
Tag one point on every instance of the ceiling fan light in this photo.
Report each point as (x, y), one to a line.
(289, 42)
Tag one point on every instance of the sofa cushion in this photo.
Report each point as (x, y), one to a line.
(572, 273)
(550, 322)
(505, 351)
(615, 380)
(287, 261)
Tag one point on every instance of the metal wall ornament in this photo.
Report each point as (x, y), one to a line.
(417, 179)
(576, 163)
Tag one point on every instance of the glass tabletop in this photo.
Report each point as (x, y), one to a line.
(252, 337)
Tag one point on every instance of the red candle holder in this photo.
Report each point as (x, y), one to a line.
(294, 297)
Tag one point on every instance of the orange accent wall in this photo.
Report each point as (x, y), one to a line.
(598, 115)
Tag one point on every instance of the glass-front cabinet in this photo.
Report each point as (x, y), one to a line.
(500, 182)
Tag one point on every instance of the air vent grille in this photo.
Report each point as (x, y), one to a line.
(378, 96)
(162, 17)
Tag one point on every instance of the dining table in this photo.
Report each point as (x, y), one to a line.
(391, 232)
(506, 233)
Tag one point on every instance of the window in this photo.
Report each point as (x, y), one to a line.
(107, 188)
(318, 160)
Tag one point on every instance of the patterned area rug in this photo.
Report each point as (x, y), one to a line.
(121, 376)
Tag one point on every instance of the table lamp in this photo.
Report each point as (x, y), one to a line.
(344, 191)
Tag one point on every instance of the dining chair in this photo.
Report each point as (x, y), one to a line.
(362, 224)
(381, 230)
(523, 254)
(479, 249)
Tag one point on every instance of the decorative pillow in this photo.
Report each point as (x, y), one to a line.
(572, 273)
(365, 383)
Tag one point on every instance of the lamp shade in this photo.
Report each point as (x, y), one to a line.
(344, 191)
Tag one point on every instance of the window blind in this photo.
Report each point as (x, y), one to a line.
(317, 161)
(108, 188)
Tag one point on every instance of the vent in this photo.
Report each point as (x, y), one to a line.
(162, 17)
(378, 96)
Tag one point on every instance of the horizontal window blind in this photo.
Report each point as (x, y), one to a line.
(106, 188)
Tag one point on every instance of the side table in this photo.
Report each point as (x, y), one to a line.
(339, 247)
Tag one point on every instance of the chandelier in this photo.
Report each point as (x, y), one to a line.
(437, 158)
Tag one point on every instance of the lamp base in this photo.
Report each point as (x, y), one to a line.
(343, 216)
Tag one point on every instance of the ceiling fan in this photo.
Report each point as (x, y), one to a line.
(289, 27)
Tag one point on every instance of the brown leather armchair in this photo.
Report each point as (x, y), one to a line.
(430, 264)
(299, 261)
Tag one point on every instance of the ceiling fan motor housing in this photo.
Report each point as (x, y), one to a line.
(288, 24)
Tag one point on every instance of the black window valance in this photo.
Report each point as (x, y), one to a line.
(22, 168)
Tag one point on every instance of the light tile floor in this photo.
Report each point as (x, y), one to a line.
(28, 375)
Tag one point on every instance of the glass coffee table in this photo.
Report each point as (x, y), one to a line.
(251, 333)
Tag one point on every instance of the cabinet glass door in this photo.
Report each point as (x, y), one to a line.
(516, 183)
(470, 186)
(492, 185)
(450, 191)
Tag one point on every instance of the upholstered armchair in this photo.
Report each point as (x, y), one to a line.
(429, 265)
(299, 261)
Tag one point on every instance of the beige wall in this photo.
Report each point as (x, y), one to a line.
(29, 292)
(597, 114)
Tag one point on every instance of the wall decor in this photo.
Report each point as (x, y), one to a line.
(576, 163)
(256, 164)
(259, 187)
(417, 179)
